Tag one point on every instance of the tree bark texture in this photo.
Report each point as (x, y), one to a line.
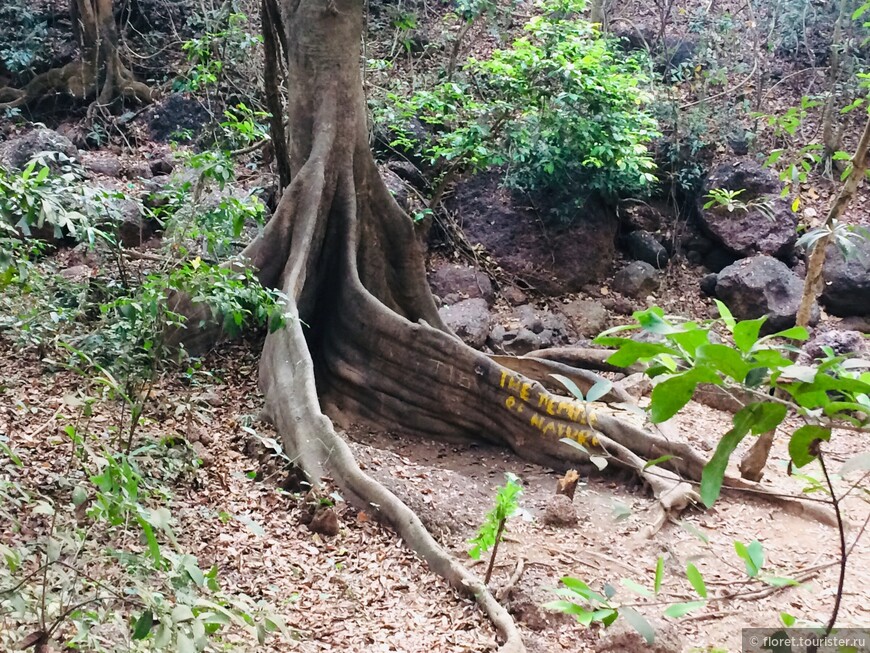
(99, 74)
(363, 340)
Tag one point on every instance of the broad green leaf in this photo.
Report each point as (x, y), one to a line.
(182, 613)
(696, 580)
(746, 333)
(794, 333)
(184, 643)
(725, 359)
(752, 556)
(640, 624)
(660, 572)
(787, 620)
(598, 390)
(678, 610)
(800, 444)
(143, 625)
(669, 396)
(779, 581)
(757, 418)
(79, 495)
(569, 385)
(567, 607)
(635, 587)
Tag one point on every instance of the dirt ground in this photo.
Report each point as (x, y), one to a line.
(363, 591)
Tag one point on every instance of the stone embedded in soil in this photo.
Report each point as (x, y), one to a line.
(19, 150)
(104, 164)
(462, 280)
(637, 279)
(587, 317)
(748, 231)
(840, 341)
(325, 522)
(847, 280)
(762, 285)
(553, 259)
(560, 511)
(644, 246)
(469, 319)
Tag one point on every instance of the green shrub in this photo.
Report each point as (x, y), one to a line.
(562, 108)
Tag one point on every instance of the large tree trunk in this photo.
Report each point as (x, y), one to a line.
(364, 341)
(98, 74)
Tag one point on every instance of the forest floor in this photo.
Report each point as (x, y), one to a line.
(363, 591)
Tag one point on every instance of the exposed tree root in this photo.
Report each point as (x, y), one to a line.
(363, 339)
(99, 74)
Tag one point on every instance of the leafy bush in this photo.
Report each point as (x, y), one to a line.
(37, 199)
(24, 37)
(562, 108)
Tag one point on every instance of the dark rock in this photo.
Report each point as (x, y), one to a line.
(643, 246)
(618, 305)
(637, 279)
(747, 232)
(514, 296)
(463, 280)
(408, 172)
(325, 522)
(521, 342)
(496, 337)
(669, 54)
(560, 511)
(397, 188)
(708, 284)
(18, 151)
(162, 166)
(856, 323)
(131, 226)
(556, 260)
(642, 217)
(841, 342)
(138, 171)
(717, 259)
(468, 319)
(102, 164)
(173, 115)
(847, 280)
(587, 317)
(761, 285)
(698, 243)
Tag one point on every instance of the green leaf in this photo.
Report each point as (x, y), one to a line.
(598, 390)
(696, 580)
(669, 396)
(660, 572)
(726, 315)
(794, 333)
(79, 495)
(635, 587)
(752, 556)
(678, 610)
(184, 643)
(800, 444)
(640, 624)
(725, 359)
(143, 625)
(569, 385)
(182, 613)
(656, 461)
(779, 581)
(746, 333)
(787, 620)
